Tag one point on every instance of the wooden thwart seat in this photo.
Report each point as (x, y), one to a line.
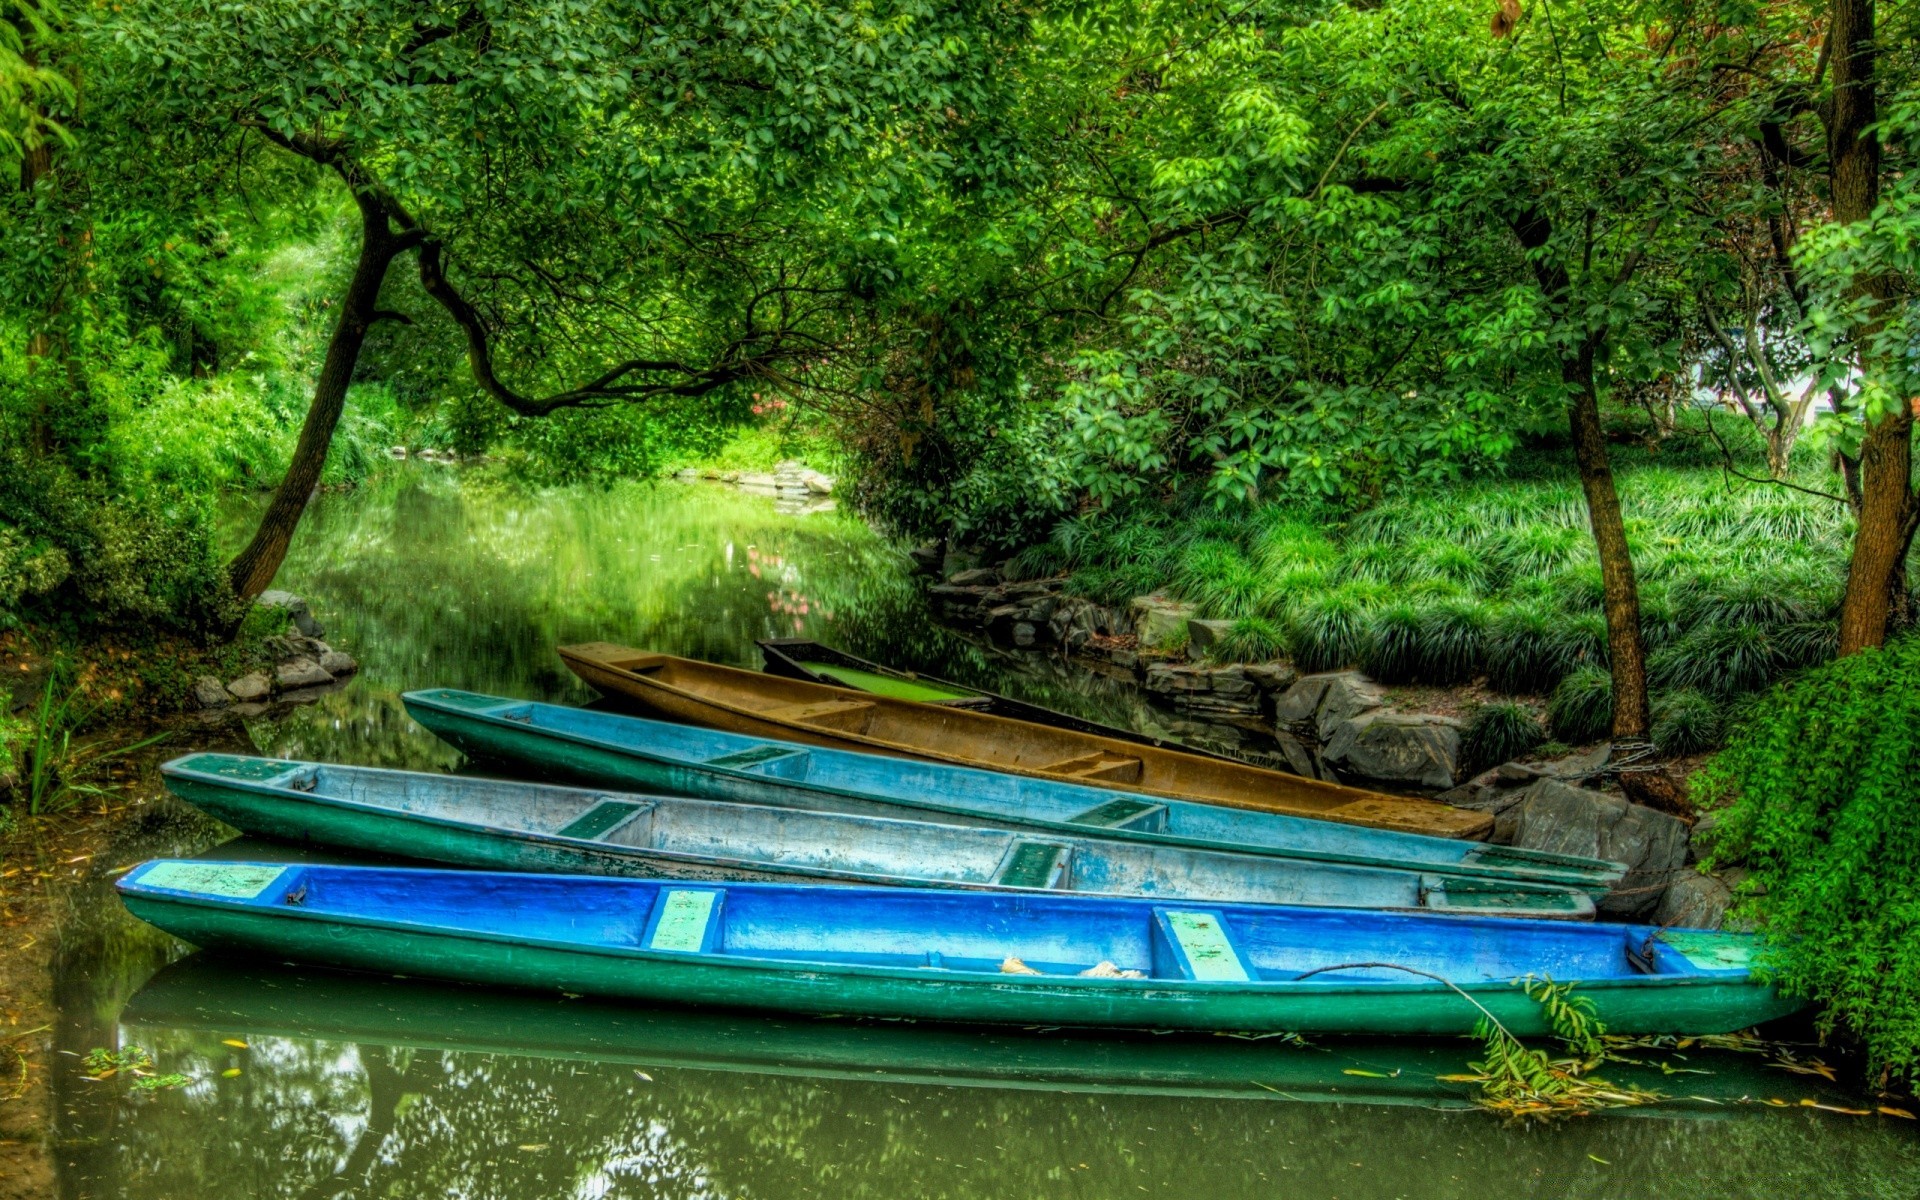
(1114, 768)
(840, 714)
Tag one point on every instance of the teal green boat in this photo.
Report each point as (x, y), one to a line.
(551, 741)
(1020, 958)
(540, 827)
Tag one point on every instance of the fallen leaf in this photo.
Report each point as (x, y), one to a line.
(1603, 1162)
(531, 1146)
(1834, 1108)
(230, 1073)
(643, 1075)
(236, 1043)
(1891, 1111)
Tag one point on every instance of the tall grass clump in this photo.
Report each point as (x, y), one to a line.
(1581, 707)
(1685, 722)
(1253, 639)
(1218, 578)
(1390, 650)
(1499, 732)
(1453, 641)
(1818, 794)
(1523, 654)
(1328, 631)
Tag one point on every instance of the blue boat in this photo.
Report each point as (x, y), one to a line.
(975, 957)
(588, 746)
(540, 827)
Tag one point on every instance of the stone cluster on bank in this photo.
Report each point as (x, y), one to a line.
(792, 484)
(302, 665)
(1342, 727)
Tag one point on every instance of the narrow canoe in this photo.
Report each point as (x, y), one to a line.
(972, 957)
(681, 689)
(633, 753)
(804, 658)
(219, 998)
(535, 827)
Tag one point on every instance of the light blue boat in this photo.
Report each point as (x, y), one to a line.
(540, 827)
(583, 745)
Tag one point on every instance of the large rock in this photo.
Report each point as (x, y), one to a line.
(1159, 622)
(337, 663)
(926, 557)
(296, 609)
(251, 687)
(300, 673)
(960, 603)
(1301, 700)
(1558, 817)
(974, 577)
(1416, 748)
(1349, 693)
(958, 559)
(818, 484)
(209, 692)
(1697, 900)
(1272, 677)
(1203, 634)
(1221, 690)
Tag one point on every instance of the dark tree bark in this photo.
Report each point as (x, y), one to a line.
(253, 569)
(1877, 571)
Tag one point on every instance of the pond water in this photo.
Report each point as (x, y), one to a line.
(310, 1084)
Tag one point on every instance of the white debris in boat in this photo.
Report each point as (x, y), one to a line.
(1013, 966)
(1106, 970)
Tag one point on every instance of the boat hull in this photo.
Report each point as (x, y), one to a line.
(529, 948)
(767, 706)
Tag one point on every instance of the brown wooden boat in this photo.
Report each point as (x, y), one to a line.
(768, 706)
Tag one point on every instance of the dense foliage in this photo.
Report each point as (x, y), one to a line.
(1818, 789)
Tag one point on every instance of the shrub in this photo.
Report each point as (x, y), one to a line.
(1499, 732)
(1818, 784)
(1685, 722)
(1328, 630)
(1374, 562)
(1539, 549)
(1218, 578)
(1252, 639)
(1453, 641)
(1723, 660)
(1581, 707)
(1438, 558)
(1522, 652)
(1391, 651)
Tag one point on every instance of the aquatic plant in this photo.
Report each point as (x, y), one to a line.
(1816, 794)
(1523, 1084)
(1581, 706)
(1499, 732)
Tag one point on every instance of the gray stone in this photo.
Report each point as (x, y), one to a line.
(958, 559)
(926, 557)
(1575, 767)
(687, 475)
(1127, 659)
(1202, 634)
(1416, 748)
(958, 602)
(1272, 677)
(1299, 758)
(1159, 622)
(1349, 693)
(1026, 633)
(300, 673)
(1697, 900)
(396, 452)
(1301, 700)
(974, 577)
(251, 687)
(209, 692)
(1558, 817)
(296, 609)
(337, 663)
(818, 484)
(757, 481)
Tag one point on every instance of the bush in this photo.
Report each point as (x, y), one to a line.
(1581, 707)
(1215, 576)
(1327, 631)
(1817, 781)
(1522, 653)
(1685, 722)
(1497, 733)
(1723, 660)
(1453, 642)
(1391, 651)
(1253, 639)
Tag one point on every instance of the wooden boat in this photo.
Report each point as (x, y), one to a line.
(208, 998)
(633, 753)
(973, 957)
(681, 689)
(535, 827)
(804, 658)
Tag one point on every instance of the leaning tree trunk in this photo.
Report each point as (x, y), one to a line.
(1880, 542)
(1621, 592)
(253, 569)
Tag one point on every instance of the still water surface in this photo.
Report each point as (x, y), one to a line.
(309, 1084)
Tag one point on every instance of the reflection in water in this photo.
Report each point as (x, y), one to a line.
(360, 1088)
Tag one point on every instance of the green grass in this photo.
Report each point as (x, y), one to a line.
(1499, 732)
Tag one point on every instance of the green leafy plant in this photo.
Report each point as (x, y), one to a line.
(1816, 788)
(56, 770)
(1522, 653)
(1391, 650)
(1685, 722)
(1499, 732)
(1252, 639)
(1328, 630)
(1581, 707)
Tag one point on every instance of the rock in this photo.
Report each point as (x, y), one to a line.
(396, 452)
(974, 577)
(1697, 900)
(251, 687)
(687, 475)
(1416, 748)
(300, 673)
(958, 559)
(337, 663)
(818, 484)
(1127, 659)
(1349, 693)
(926, 557)
(1272, 677)
(295, 608)
(209, 692)
(1301, 700)
(1202, 634)
(1159, 622)
(1299, 758)
(757, 481)
(959, 603)
(1558, 817)
(1575, 767)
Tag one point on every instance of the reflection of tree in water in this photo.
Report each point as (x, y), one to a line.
(329, 1119)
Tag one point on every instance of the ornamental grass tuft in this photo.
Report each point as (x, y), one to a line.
(1499, 732)
(1581, 707)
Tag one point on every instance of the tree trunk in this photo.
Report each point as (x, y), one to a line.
(1621, 591)
(1886, 452)
(253, 569)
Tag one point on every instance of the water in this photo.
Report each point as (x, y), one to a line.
(319, 1085)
